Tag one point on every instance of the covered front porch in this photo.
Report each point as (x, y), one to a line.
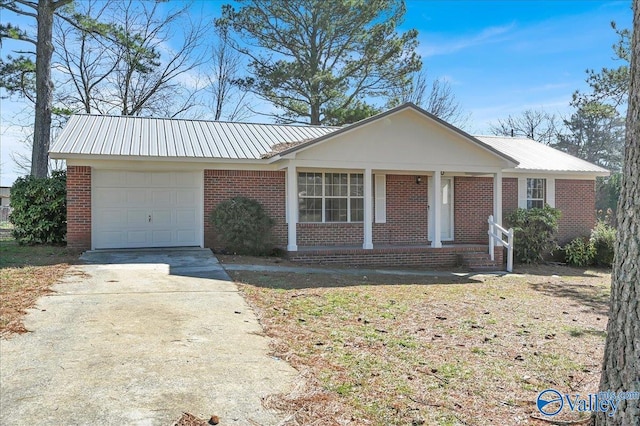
(398, 208)
(404, 219)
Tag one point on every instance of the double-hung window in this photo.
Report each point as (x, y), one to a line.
(331, 197)
(535, 193)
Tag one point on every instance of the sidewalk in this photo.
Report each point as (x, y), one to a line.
(311, 270)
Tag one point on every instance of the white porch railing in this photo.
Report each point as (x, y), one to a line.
(496, 233)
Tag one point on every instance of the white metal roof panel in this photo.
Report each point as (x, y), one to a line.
(87, 134)
(174, 138)
(535, 156)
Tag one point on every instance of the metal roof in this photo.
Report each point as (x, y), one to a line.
(535, 156)
(87, 134)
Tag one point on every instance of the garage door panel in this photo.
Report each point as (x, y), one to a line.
(107, 197)
(161, 218)
(109, 178)
(162, 180)
(162, 237)
(112, 217)
(183, 236)
(186, 197)
(111, 239)
(137, 237)
(136, 218)
(187, 180)
(186, 218)
(123, 202)
(136, 179)
(163, 198)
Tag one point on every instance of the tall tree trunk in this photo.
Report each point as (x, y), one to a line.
(621, 367)
(44, 90)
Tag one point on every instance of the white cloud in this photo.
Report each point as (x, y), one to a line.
(486, 36)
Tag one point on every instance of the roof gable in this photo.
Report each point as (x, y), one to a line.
(407, 137)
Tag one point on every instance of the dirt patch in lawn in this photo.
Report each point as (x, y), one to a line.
(27, 273)
(476, 350)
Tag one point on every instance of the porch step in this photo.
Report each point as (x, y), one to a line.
(479, 261)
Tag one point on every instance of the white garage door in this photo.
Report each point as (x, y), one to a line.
(146, 209)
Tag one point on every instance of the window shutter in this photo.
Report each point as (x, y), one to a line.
(550, 192)
(522, 193)
(381, 198)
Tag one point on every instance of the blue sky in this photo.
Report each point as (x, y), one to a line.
(500, 57)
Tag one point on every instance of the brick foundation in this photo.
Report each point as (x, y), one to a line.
(267, 187)
(329, 234)
(446, 257)
(79, 207)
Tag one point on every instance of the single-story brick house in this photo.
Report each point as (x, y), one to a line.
(362, 193)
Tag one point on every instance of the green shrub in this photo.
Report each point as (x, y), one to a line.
(579, 252)
(243, 227)
(39, 205)
(534, 233)
(603, 239)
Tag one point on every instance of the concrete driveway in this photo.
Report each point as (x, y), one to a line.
(140, 337)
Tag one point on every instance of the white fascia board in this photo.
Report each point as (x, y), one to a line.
(166, 165)
(408, 168)
(142, 158)
(581, 174)
(553, 174)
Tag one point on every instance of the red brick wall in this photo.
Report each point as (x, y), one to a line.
(268, 187)
(576, 200)
(407, 212)
(330, 234)
(446, 257)
(79, 207)
(473, 203)
(509, 196)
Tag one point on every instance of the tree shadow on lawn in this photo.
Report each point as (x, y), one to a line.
(560, 269)
(14, 255)
(592, 297)
(299, 281)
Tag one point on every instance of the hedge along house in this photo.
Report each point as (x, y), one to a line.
(402, 187)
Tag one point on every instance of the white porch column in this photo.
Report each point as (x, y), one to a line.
(292, 207)
(368, 210)
(437, 210)
(497, 199)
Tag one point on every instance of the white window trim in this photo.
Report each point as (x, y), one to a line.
(324, 197)
(549, 188)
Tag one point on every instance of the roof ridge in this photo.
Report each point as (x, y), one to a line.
(505, 137)
(202, 120)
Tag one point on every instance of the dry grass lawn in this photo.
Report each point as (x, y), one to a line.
(26, 273)
(436, 351)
